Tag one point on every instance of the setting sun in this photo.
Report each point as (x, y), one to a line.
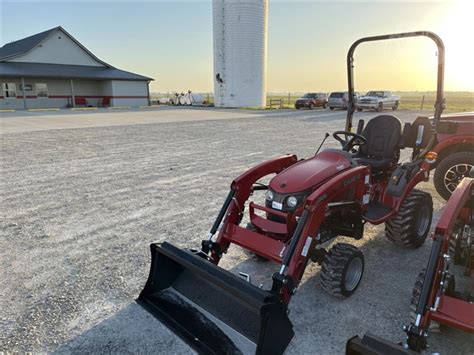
(456, 29)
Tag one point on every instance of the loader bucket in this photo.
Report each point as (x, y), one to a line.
(211, 309)
(374, 345)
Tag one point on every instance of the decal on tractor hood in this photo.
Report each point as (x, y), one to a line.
(351, 180)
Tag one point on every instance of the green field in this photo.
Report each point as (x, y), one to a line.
(456, 101)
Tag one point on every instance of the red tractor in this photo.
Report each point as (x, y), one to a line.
(308, 203)
(455, 149)
(434, 297)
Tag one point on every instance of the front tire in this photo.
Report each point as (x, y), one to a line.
(342, 269)
(331, 108)
(450, 171)
(410, 227)
(379, 107)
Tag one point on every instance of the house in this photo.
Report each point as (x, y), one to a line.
(52, 69)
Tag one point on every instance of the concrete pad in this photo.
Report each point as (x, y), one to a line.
(23, 121)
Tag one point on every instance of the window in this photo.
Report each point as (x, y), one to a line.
(9, 90)
(41, 90)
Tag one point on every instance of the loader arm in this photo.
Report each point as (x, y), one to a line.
(305, 239)
(243, 183)
(232, 211)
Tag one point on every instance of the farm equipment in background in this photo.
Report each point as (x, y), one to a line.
(186, 99)
(455, 149)
(434, 297)
(308, 203)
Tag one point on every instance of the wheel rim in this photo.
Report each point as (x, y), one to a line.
(455, 174)
(423, 222)
(353, 274)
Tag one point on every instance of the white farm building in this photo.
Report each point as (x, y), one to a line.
(52, 69)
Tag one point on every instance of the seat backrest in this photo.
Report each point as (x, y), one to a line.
(418, 134)
(383, 135)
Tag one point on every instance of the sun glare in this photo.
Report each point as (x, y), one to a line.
(456, 30)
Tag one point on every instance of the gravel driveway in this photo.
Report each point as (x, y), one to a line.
(80, 207)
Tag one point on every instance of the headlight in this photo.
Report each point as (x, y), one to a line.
(269, 195)
(292, 201)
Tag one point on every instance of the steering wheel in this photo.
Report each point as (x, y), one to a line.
(348, 143)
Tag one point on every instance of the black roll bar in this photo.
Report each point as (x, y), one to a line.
(439, 104)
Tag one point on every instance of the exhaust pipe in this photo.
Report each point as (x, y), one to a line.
(214, 311)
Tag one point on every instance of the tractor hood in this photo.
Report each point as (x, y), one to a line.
(309, 173)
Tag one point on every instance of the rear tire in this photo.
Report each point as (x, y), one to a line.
(410, 227)
(450, 172)
(342, 269)
(331, 108)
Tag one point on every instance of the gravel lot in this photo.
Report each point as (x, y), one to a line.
(81, 204)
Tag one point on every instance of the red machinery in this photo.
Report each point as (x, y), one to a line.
(455, 149)
(308, 203)
(435, 298)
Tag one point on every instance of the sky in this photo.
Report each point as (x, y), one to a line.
(171, 41)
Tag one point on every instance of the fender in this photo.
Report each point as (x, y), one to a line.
(396, 201)
(449, 142)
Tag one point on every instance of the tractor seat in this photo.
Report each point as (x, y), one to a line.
(381, 151)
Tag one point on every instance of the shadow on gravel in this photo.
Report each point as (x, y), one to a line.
(130, 331)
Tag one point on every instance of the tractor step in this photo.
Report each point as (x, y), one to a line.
(377, 212)
(211, 309)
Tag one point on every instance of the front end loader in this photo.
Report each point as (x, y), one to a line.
(435, 298)
(308, 203)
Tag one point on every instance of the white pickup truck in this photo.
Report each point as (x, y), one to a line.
(378, 100)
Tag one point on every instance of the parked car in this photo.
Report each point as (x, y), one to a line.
(311, 100)
(340, 99)
(455, 148)
(378, 100)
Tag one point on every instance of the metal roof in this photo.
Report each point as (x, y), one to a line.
(22, 46)
(16, 69)
(18, 48)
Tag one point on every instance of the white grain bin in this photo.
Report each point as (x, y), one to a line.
(240, 52)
